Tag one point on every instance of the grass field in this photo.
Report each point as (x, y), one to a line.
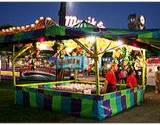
(9, 112)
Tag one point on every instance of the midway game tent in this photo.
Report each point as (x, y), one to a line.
(77, 97)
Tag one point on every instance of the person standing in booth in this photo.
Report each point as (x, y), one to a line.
(157, 80)
(131, 81)
(111, 80)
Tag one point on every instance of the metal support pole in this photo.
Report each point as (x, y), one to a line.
(75, 74)
(13, 66)
(83, 46)
(14, 57)
(62, 13)
(96, 60)
(144, 69)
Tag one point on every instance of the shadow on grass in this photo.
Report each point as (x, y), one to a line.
(11, 113)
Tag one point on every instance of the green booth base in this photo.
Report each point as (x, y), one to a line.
(78, 104)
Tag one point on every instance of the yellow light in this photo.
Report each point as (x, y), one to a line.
(108, 66)
(18, 28)
(45, 45)
(119, 42)
(14, 28)
(48, 18)
(41, 18)
(7, 30)
(32, 25)
(22, 27)
(91, 39)
(27, 26)
(37, 21)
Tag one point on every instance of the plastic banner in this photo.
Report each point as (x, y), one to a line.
(78, 104)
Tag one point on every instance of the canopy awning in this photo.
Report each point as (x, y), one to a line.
(145, 39)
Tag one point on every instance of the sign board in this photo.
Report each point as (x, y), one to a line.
(70, 21)
(151, 69)
(152, 64)
(71, 62)
(9, 73)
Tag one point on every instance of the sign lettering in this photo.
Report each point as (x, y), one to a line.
(70, 21)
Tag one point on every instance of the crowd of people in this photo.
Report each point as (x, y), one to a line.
(113, 76)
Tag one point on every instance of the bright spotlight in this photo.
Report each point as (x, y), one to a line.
(119, 42)
(91, 39)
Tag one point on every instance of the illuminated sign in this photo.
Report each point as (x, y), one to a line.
(72, 62)
(69, 62)
(9, 73)
(73, 20)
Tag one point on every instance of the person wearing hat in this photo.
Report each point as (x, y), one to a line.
(157, 80)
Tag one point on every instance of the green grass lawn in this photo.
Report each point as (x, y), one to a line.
(11, 113)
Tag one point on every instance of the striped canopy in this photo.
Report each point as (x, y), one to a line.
(84, 24)
(66, 32)
(146, 38)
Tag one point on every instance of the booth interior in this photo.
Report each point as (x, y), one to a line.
(66, 60)
(77, 77)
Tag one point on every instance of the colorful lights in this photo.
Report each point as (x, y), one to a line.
(48, 18)
(3, 30)
(119, 42)
(41, 39)
(41, 18)
(91, 39)
(22, 27)
(18, 28)
(27, 26)
(39, 24)
(32, 25)
(37, 21)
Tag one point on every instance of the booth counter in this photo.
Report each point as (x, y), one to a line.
(77, 104)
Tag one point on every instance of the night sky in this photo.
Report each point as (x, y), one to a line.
(113, 14)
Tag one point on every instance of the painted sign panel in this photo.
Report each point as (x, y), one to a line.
(72, 62)
(151, 69)
(69, 62)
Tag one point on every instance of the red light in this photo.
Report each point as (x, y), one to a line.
(135, 45)
(41, 39)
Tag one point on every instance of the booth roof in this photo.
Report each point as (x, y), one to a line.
(150, 36)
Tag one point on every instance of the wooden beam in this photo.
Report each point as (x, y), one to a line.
(144, 69)
(83, 46)
(96, 60)
(13, 65)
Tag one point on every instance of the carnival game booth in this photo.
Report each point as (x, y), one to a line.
(78, 98)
